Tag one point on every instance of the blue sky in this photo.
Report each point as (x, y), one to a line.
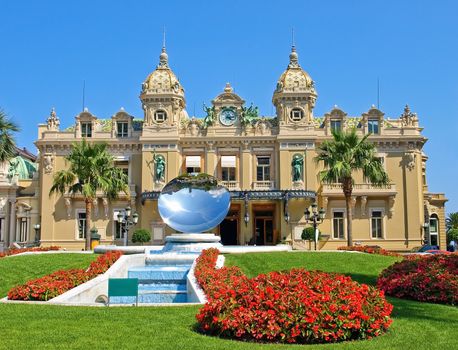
(48, 48)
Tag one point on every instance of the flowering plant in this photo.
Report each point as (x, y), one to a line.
(59, 282)
(23, 250)
(425, 278)
(296, 306)
(369, 250)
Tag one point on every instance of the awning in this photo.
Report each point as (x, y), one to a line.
(228, 161)
(192, 161)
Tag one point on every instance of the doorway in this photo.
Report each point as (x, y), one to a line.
(228, 229)
(264, 228)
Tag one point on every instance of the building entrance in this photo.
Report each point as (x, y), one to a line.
(264, 228)
(228, 229)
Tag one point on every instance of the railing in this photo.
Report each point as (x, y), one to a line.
(263, 185)
(361, 188)
(230, 185)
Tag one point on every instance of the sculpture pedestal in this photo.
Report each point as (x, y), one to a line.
(192, 243)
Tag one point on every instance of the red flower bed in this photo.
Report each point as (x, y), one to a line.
(296, 306)
(59, 282)
(431, 278)
(35, 249)
(369, 250)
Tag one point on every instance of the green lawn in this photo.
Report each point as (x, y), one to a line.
(416, 325)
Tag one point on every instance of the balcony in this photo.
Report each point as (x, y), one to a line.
(359, 189)
(231, 185)
(263, 185)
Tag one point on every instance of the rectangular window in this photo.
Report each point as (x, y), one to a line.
(228, 174)
(377, 224)
(263, 168)
(82, 225)
(122, 129)
(336, 125)
(21, 236)
(373, 126)
(2, 225)
(86, 129)
(124, 165)
(118, 227)
(193, 164)
(338, 225)
(433, 231)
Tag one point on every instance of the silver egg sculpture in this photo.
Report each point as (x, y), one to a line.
(194, 203)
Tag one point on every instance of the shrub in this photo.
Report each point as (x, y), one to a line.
(432, 278)
(141, 236)
(59, 282)
(369, 250)
(297, 306)
(308, 234)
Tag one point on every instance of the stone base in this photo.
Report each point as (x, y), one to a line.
(192, 243)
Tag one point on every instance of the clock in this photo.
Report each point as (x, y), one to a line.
(228, 116)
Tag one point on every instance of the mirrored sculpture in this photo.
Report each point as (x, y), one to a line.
(193, 203)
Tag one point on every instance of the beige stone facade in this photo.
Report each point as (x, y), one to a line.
(266, 162)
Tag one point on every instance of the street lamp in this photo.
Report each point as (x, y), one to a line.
(37, 232)
(126, 221)
(426, 229)
(314, 217)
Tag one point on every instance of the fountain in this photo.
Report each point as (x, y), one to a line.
(190, 204)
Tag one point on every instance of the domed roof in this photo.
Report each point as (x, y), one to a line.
(22, 167)
(294, 78)
(162, 79)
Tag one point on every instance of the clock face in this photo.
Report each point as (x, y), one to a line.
(228, 116)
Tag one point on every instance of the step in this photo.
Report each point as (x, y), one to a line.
(158, 287)
(163, 297)
(171, 259)
(159, 273)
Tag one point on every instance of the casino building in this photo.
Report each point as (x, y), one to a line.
(267, 162)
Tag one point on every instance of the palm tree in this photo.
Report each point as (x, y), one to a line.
(344, 155)
(91, 169)
(452, 221)
(7, 144)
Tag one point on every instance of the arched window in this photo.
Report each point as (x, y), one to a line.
(160, 116)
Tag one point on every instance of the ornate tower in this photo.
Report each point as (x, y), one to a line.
(295, 95)
(162, 97)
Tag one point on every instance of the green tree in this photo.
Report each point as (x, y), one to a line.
(141, 236)
(342, 157)
(91, 169)
(451, 222)
(7, 144)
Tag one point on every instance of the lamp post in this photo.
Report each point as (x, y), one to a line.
(314, 217)
(426, 229)
(37, 232)
(126, 221)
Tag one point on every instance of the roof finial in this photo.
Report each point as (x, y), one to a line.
(292, 37)
(163, 58)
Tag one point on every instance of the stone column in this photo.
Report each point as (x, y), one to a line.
(12, 222)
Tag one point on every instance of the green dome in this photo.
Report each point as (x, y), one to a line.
(24, 168)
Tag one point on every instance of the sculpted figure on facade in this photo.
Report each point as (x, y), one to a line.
(297, 165)
(159, 165)
(48, 161)
(408, 118)
(210, 116)
(249, 115)
(53, 121)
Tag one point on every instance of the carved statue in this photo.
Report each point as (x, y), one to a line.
(209, 119)
(12, 170)
(249, 115)
(48, 163)
(408, 118)
(297, 165)
(53, 121)
(159, 168)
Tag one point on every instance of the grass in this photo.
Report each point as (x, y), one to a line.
(416, 325)
(16, 270)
